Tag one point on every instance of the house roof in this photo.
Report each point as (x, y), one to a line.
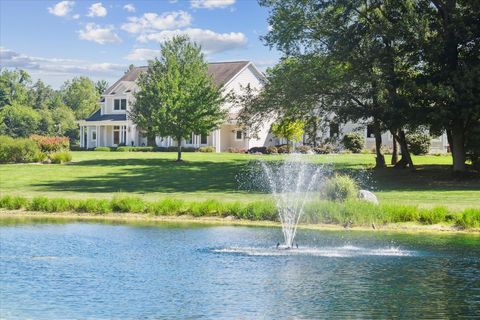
(97, 116)
(221, 72)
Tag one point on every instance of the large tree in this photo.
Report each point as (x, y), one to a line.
(177, 96)
(81, 96)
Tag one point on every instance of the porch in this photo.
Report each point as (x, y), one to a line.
(108, 135)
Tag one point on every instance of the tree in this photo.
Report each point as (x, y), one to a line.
(13, 87)
(101, 86)
(81, 96)
(289, 129)
(40, 95)
(177, 96)
(18, 120)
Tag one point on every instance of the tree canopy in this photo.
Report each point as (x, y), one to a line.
(177, 97)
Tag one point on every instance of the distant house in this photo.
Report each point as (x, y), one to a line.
(110, 125)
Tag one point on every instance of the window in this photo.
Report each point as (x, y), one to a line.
(94, 135)
(116, 134)
(203, 139)
(370, 131)
(238, 135)
(190, 139)
(120, 104)
(334, 130)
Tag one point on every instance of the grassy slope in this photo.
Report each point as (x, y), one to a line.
(202, 176)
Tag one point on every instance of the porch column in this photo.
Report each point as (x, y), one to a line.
(81, 136)
(88, 136)
(217, 140)
(128, 142)
(97, 132)
(104, 135)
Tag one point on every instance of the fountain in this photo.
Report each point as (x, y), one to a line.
(292, 184)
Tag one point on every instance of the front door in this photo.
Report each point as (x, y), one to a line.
(116, 135)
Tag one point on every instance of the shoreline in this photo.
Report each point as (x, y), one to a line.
(131, 218)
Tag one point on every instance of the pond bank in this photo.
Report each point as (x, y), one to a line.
(21, 216)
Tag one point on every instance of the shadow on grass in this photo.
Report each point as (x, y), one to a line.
(153, 175)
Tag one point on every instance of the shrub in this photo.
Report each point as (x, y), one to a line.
(60, 157)
(51, 144)
(128, 204)
(236, 150)
(94, 206)
(271, 150)
(353, 141)
(206, 149)
(340, 188)
(418, 143)
(13, 202)
(206, 208)
(284, 148)
(142, 149)
(76, 147)
(187, 149)
(261, 210)
(433, 216)
(304, 149)
(258, 150)
(38, 204)
(102, 149)
(325, 149)
(18, 150)
(166, 207)
(123, 149)
(470, 218)
(399, 213)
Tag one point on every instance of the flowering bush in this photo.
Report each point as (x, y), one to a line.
(51, 144)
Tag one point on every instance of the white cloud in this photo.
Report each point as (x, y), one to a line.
(76, 16)
(62, 9)
(129, 7)
(211, 4)
(96, 33)
(210, 41)
(97, 10)
(142, 54)
(151, 22)
(12, 59)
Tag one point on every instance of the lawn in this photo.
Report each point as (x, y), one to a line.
(216, 176)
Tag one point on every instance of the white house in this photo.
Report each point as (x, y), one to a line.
(111, 126)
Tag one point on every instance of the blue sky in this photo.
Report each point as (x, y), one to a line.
(57, 40)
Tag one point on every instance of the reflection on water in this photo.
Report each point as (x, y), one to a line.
(103, 271)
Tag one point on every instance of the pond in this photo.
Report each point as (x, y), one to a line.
(82, 270)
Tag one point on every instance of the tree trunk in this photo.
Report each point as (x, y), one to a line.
(406, 159)
(179, 149)
(458, 150)
(151, 141)
(395, 149)
(380, 158)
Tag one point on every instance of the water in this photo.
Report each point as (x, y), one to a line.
(292, 185)
(101, 271)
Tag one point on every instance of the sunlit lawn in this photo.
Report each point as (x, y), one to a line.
(211, 175)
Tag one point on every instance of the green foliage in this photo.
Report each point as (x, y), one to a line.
(60, 157)
(419, 143)
(18, 120)
(284, 148)
(128, 204)
(304, 149)
(18, 150)
(354, 142)
(176, 95)
(80, 95)
(134, 149)
(102, 149)
(101, 86)
(470, 218)
(271, 150)
(13, 202)
(340, 188)
(290, 129)
(206, 149)
(349, 213)
(13, 87)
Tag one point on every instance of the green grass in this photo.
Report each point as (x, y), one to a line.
(154, 176)
(348, 213)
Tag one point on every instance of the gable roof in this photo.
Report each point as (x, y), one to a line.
(221, 72)
(98, 116)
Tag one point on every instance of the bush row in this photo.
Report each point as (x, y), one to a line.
(153, 149)
(350, 212)
(34, 149)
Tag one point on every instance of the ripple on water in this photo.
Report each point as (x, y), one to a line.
(334, 252)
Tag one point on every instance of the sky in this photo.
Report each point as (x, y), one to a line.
(58, 40)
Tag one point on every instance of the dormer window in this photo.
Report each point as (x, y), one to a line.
(120, 104)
